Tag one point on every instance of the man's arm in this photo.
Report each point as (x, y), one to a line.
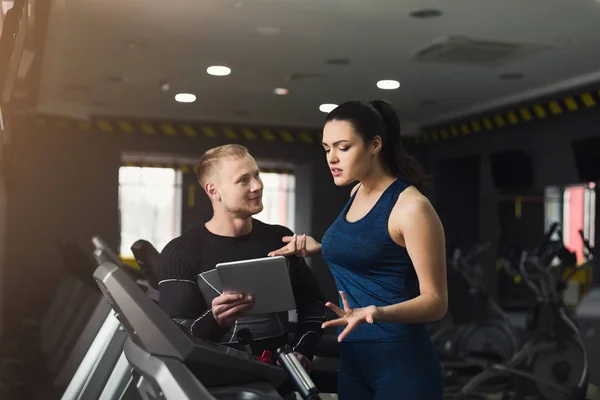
(181, 299)
(310, 306)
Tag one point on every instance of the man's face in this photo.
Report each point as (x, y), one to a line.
(238, 183)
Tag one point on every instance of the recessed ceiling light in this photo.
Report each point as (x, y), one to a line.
(268, 30)
(327, 108)
(426, 13)
(164, 86)
(281, 91)
(185, 98)
(134, 44)
(218, 70)
(388, 84)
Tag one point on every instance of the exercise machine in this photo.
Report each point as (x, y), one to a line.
(93, 374)
(491, 335)
(147, 258)
(102, 371)
(467, 349)
(587, 315)
(169, 364)
(71, 321)
(553, 364)
(325, 361)
(145, 279)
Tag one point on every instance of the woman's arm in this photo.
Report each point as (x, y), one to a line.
(416, 225)
(299, 245)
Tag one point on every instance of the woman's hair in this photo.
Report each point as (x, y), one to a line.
(379, 118)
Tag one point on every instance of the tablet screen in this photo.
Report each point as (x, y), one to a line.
(267, 279)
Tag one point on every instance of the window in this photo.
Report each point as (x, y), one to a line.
(149, 206)
(6, 5)
(279, 199)
(574, 207)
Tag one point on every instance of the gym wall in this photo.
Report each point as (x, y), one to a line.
(548, 142)
(63, 185)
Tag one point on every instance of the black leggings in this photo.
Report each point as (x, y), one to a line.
(408, 370)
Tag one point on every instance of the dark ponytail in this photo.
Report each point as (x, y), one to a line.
(379, 118)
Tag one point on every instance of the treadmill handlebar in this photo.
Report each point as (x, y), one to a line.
(301, 379)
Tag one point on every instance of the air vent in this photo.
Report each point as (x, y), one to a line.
(482, 53)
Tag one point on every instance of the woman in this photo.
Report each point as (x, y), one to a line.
(386, 251)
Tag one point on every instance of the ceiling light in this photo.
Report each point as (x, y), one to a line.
(134, 45)
(185, 98)
(281, 91)
(388, 84)
(164, 86)
(268, 30)
(218, 70)
(327, 108)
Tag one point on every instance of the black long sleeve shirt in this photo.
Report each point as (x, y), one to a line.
(188, 283)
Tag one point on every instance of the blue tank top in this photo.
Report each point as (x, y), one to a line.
(370, 268)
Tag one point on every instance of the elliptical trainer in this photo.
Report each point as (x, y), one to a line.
(553, 364)
(491, 336)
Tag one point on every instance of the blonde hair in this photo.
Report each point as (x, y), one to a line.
(211, 157)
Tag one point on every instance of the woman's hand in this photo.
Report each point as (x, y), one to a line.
(352, 317)
(303, 246)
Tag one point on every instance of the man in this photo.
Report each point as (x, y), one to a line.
(189, 289)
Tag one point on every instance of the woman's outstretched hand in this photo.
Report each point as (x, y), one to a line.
(351, 317)
(299, 245)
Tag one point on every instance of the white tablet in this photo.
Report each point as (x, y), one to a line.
(267, 279)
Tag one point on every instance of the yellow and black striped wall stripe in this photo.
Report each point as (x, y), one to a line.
(190, 130)
(509, 117)
(191, 169)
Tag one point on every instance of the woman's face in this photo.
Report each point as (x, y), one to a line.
(348, 156)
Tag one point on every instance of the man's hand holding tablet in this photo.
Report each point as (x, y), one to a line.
(229, 306)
